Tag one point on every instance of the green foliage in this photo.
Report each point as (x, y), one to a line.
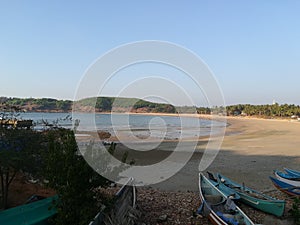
(19, 150)
(295, 211)
(108, 104)
(104, 104)
(203, 110)
(124, 102)
(101, 104)
(53, 155)
(274, 110)
(63, 105)
(154, 107)
(73, 179)
(42, 104)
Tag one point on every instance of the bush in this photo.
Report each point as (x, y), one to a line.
(295, 211)
(72, 178)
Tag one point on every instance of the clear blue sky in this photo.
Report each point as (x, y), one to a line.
(253, 47)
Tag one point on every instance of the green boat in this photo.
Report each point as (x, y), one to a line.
(254, 198)
(35, 213)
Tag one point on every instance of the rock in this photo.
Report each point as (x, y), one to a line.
(162, 218)
(104, 135)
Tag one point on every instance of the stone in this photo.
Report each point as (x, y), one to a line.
(162, 218)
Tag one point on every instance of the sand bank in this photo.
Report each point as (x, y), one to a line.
(251, 150)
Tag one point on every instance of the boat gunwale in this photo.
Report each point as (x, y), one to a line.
(295, 183)
(203, 200)
(268, 198)
(288, 190)
(292, 172)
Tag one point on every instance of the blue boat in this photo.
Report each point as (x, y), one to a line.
(293, 173)
(285, 187)
(286, 178)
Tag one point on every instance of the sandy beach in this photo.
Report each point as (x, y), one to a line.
(252, 148)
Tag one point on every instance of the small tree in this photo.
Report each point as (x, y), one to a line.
(18, 151)
(295, 211)
(72, 178)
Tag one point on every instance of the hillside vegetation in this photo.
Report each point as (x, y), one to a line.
(99, 104)
(274, 110)
(110, 104)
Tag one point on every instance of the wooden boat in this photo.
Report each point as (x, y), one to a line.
(35, 213)
(228, 192)
(291, 172)
(124, 206)
(285, 187)
(287, 178)
(219, 209)
(255, 198)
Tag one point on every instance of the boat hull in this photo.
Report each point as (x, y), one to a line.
(36, 213)
(214, 219)
(213, 208)
(255, 198)
(274, 208)
(285, 187)
(229, 193)
(287, 179)
(294, 173)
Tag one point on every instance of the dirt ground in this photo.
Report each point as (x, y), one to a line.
(21, 190)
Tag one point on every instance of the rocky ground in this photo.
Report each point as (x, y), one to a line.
(171, 208)
(21, 189)
(159, 207)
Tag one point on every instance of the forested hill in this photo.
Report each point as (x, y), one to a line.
(101, 104)
(108, 104)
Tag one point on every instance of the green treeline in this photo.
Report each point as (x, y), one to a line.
(108, 104)
(274, 110)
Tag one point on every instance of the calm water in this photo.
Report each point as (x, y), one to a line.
(171, 127)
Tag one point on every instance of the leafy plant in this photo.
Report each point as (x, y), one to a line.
(19, 150)
(73, 178)
(295, 211)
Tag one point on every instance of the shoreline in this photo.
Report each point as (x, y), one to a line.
(203, 116)
(250, 151)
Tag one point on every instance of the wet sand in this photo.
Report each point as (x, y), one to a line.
(251, 150)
